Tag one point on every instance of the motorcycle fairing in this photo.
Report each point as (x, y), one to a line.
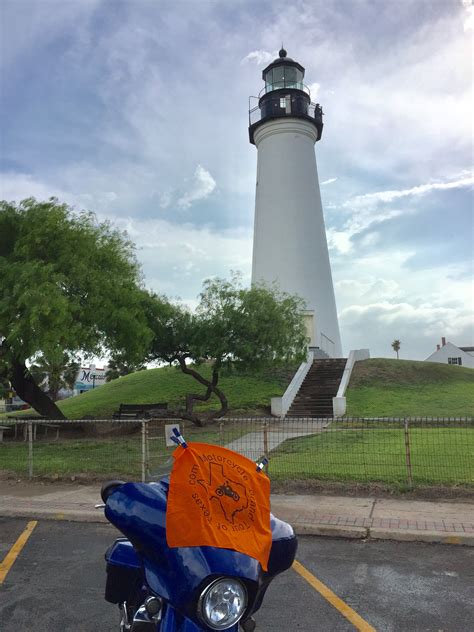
(138, 510)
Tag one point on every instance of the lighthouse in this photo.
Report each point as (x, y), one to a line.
(290, 245)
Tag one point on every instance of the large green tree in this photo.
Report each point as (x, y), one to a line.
(233, 327)
(68, 283)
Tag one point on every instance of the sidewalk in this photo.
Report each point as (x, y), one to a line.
(445, 522)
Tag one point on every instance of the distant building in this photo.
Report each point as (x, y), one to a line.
(12, 403)
(448, 353)
(89, 378)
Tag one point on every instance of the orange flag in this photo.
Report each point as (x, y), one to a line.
(217, 498)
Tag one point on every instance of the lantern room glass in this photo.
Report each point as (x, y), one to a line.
(282, 76)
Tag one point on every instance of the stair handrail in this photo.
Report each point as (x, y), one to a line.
(328, 348)
(339, 402)
(281, 405)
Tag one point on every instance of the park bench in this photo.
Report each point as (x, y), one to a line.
(138, 411)
(44, 425)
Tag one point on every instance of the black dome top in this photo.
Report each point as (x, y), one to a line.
(282, 59)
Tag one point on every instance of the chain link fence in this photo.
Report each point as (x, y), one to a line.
(404, 452)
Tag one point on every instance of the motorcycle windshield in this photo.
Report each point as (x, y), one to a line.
(138, 510)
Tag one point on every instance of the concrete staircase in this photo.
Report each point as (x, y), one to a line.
(314, 399)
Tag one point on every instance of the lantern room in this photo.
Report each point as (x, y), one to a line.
(284, 94)
(283, 73)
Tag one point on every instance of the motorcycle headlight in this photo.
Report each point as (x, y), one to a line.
(222, 603)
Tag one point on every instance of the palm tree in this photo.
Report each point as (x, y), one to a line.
(56, 371)
(396, 344)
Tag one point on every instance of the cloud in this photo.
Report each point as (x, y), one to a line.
(19, 186)
(314, 90)
(330, 181)
(203, 184)
(259, 57)
(386, 197)
(469, 20)
(176, 258)
(419, 327)
(165, 199)
(378, 301)
(364, 212)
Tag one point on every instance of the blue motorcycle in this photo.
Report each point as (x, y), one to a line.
(189, 589)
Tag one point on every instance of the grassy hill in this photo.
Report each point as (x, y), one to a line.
(246, 394)
(381, 388)
(378, 388)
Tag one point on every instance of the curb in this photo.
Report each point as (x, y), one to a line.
(355, 533)
(69, 515)
(301, 528)
(437, 537)
(397, 535)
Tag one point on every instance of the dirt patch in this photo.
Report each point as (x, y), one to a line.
(309, 487)
(372, 489)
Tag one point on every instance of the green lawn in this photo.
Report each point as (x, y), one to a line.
(438, 456)
(397, 388)
(103, 458)
(345, 452)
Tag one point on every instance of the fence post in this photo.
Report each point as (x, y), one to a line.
(265, 442)
(407, 454)
(30, 450)
(144, 448)
(221, 433)
(147, 473)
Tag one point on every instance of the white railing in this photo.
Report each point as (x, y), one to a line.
(281, 405)
(328, 345)
(339, 402)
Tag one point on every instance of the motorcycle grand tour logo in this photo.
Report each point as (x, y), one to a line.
(217, 498)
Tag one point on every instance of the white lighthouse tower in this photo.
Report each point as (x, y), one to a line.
(290, 244)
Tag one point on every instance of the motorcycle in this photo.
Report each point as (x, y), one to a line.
(181, 589)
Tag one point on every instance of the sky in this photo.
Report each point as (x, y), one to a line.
(138, 111)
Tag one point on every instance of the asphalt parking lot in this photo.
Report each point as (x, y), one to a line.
(56, 584)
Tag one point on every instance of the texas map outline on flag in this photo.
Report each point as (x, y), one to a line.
(231, 495)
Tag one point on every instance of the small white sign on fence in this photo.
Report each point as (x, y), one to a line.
(168, 432)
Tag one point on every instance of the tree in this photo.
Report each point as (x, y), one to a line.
(396, 344)
(5, 387)
(233, 327)
(119, 366)
(58, 370)
(67, 283)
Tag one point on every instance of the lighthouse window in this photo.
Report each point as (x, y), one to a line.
(283, 103)
(290, 77)
(283, 77)
(278, 77)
